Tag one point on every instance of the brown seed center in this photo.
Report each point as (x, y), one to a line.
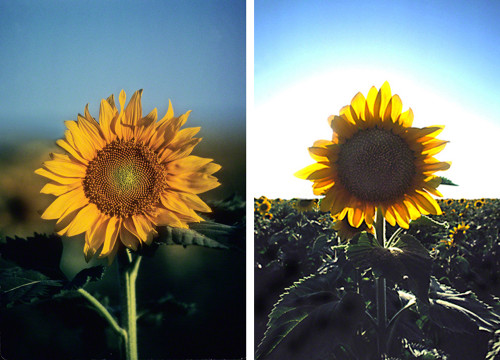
(124, 179)
(376, 165)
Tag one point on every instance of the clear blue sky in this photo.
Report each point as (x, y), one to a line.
(452, 45)
(57, 56)
(312, 57)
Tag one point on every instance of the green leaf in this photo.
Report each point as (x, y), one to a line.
(494, 347)
(446, 181)
(155, 312)
(320, 243)
(39, 252)
(177, 236)
(85, 276)
(420, 351)
(406, 261)
(458, 312)
(20, 285)
(311, 319)
(428, 221)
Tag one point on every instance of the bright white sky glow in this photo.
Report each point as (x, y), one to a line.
(288, 123)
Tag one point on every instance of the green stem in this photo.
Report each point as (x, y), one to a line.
(104, 312)
(380, 286)
(128, 268)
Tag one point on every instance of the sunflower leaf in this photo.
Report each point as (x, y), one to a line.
(154, 312)
(85, 276)
(457, 312)
(446, 181)
(39, 252)
(494, 347)
(185, 237)
(311, 319)
(20, 285)
(406, 261)
(428, 221)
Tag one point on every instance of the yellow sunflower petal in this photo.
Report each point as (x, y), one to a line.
(61, 204)
(382, 100)
(84, 220)
(308, 170)
(128, 239)
(57, 178)
(58, 189)
(112, 231)
(170, 219)
(71, 150)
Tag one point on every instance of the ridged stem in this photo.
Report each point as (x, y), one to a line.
(128, 268)
(380, 286)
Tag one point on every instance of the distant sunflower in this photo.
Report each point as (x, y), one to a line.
(303, 205)
(124, 175)
(263, 207)
(478, 203)
(456, 234)
(376, 160)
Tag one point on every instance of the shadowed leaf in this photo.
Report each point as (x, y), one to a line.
(458, 312)
(39, 252)
(19, 285)
(177, 236)
(406, 261)
(311, 319)
(494, 347)
(85, 276)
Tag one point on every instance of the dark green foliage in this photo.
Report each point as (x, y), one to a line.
(39, 252)
(185, 237)
(442, 294)
(406, 261)
(85, 276)
(20, 285)
(311, 319)
(446, 181)
(154, 312)
(494, 347)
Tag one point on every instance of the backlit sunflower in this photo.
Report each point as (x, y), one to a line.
(376, 160)
(124, 175)
(304, 205)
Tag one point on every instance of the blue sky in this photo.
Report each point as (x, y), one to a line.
(312, 57)
(57, 56)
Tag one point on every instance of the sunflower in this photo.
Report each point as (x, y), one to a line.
(376, 160)
(456, 234)
(479, 203)
(125, 175)
(263, 207)
(304, 205)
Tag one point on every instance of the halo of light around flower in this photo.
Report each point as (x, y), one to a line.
(377, 160)
(124, 175)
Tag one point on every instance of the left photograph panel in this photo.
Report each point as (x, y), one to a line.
(122, 195)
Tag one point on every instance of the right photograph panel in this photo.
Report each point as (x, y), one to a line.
(376, 210)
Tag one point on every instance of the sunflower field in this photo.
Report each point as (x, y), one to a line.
(316, 293)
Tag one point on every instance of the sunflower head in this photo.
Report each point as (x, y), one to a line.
(376, 160)
(124, 175)
(263, 207)
(456, 234)
(304, 205)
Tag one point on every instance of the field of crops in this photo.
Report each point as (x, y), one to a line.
(455, 317)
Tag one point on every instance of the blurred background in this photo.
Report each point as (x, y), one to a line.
(58, 56)
(311, 58)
